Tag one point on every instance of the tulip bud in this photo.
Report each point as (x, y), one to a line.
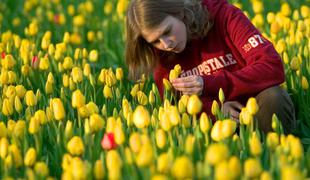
(174, 116)
(113, 160)
(119, 134)
(99, 170)
(304, 83)
(182, 168)
(186, 120)
(164, 163)
(58, 109)
(252, 168)
(93, 56)
(252, 106)
(173, 75)
(96, 123)
(161, 138)
(3, 131)
(30, 157)
(4, 144)
(189, 144)
(107, 92)
(30, 98)
(167, 84)
(135, 142)
(141, 117)
(75, 146)
(41, 169)
(255, 145)
(216, 153)
(194, 105)
(142, 98)
(119, 74)
(204, 123)
(34, 125)
(223, 129)
(215, 109)
(77, 74)
(221, 96)
(78, 99)
(145, 155)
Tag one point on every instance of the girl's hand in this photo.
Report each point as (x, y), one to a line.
(233, 109)
(189, 85)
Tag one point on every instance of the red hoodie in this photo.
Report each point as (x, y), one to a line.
(233, 56)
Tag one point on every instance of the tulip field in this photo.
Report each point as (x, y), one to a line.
(69, 111)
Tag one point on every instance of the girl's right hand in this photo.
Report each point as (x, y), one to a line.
(232, 109)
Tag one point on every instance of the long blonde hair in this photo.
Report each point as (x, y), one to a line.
(147, 14)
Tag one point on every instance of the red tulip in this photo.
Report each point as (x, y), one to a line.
(108, 141)
(3, 55)
(35, 62)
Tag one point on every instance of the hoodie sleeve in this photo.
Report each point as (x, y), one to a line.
(264, 67)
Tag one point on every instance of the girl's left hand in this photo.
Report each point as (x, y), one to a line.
(189, 85)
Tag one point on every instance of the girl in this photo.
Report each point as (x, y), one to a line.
(217, 47)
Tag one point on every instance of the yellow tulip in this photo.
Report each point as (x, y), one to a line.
(142, 98)
(40, 116)
(295, 64)
(164, 163)
(34, 125)
(93, 56)
(135, 142)
(234, 166)
(145, 156)
(296, 147)
(258, 6)
(304, 83)
(68, 63)
(68, 129)
(119, 134)
(204, 123)
(19, 129)
(194, 105)
(30, 98)
(113, 160)
(86, 70)
(285, 9)
(255, 145)
(92, 108)
(272, 140)
(96, 123)
(30, 157)
(265, 176)
(17, 157)
(167, 84)
(78, 20)
(245, 117)
(3, 131)
(304, 11)
(165, 122)
(216, 153)
(252, 168)
(99, 170)
(152, 97)
(75, 146)
(182, 168)
(252, 106)
(222, 171)
(44, 63)
(48, 88)
(77, 74)
(78, 99)
(108, 8)
(65, 80)
(91, 36)
(186, 120)
(215, 109)
(173, 75)
(221, 95)
(58, 109)
(223, 129)
(78, 168)
(20, 91)
(119, 74)
(161, 138)
(107, 92)
(4, 147)
(189, 144)
(141, 117)
(288, 173)
(174, 115)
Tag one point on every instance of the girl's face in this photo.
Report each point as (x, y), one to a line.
(170, 35)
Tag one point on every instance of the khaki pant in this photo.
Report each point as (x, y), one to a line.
(275, 100)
